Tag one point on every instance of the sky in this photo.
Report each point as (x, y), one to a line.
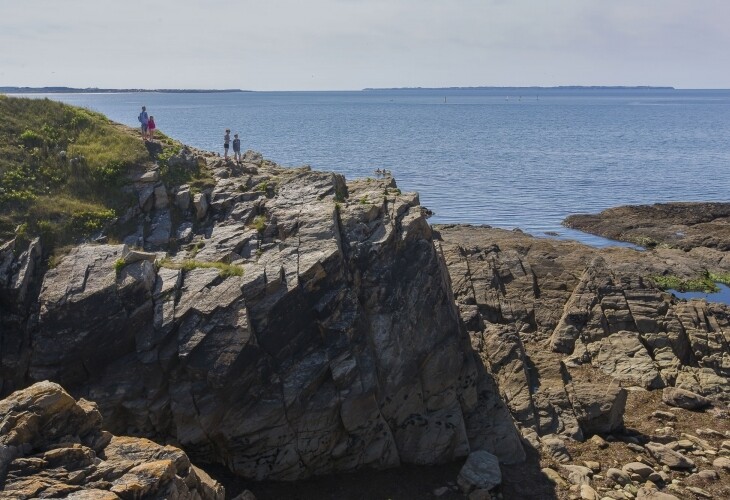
(354, 44)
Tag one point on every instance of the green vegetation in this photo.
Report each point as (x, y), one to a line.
(61, 169)
(723, 278)
(364, 200)
(64, 171)
(197, 178)
(259, 223)
(269, 187)
(706, 282)
(225, 270)
(118, 266)
(195, 248)
(644, 241)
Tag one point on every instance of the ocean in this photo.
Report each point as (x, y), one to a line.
(511, 158)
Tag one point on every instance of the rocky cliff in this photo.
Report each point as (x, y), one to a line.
(284, 323)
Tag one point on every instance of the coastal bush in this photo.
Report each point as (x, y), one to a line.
(31, 139)
(62, 170)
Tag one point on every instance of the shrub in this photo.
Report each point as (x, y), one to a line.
(31, 139)
(259, 223)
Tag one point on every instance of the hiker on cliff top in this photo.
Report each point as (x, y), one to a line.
(144, 120)
(236, 148)
(151, 127)
(226, 143)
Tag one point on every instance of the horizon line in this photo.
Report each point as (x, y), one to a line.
(67, 89)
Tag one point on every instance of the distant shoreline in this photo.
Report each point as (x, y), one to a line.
(94, 90)
(560, 87)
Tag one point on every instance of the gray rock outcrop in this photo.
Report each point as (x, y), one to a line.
(308, 327)
(565, 328)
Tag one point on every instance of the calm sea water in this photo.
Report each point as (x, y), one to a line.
(507, 158)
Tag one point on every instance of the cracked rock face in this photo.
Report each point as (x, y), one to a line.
(564, 327)
(54, 446)
(326, 339)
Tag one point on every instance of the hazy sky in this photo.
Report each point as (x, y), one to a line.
(352, 44)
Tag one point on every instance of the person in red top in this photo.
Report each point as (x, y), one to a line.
(151, 127)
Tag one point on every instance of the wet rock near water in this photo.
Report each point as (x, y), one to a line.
(686, 226)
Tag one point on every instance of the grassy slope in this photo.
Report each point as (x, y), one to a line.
(65, 198)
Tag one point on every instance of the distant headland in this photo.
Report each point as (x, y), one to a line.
(94, 90)
(561, 87)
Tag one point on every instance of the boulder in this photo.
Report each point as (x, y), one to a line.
(645, 493)
(480, 472)
(55, 446)
(638, 468)
(554, 477)
(146, 197)
(666, 456)
(555, 447)
(200, 202)
(681, 398)
(618, 476)
(588, 493)
(183, 198)
(577, 474)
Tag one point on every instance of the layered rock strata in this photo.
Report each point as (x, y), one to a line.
(564, 327)
(283, 323)
(52, 446)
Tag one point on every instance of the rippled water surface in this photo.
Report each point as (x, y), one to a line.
(522, 158)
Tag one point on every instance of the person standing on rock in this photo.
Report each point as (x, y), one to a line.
(144, 120)
(226, 143)
(236, 148)
(151, 127)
